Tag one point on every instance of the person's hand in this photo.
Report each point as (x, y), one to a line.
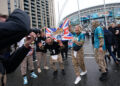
(69, 23)
(43, 29)
(30, 39)
(100, 49)
(61, 44)
(117, 32)
(31, 53)
(40, 44)
(44, 34)
(73, 40)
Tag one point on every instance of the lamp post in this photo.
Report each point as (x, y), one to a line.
(58, 14)
(106, 23)
(60, 11)
(79, 13)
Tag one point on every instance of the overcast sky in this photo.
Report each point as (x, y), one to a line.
(71, 6)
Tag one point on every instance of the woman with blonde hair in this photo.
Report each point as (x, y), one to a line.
(78, 53)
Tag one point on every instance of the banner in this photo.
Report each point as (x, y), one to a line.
(61, 33)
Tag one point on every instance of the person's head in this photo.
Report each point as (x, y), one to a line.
(95, 24)
(49, 40)
(118, 25)
(3, 18)
(113, 25)
(78, 29)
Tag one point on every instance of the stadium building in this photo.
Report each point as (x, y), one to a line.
(96, 13)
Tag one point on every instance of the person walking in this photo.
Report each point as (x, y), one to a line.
(108, 43)
(55, 55)
(41, 53)
(28, 62)
(78, 53)
(99, 46)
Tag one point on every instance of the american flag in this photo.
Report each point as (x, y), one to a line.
(64, 35)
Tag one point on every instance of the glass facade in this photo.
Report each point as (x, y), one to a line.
(117, 12)
(100, 16)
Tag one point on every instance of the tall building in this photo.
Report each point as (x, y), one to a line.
(12, 4)
(3, 7)
(41, 12)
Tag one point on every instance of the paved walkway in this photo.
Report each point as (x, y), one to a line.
(91, 79)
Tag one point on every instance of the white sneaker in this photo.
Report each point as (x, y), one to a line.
(83, 73)
(39, 70)
(77, 80)
(46, 67)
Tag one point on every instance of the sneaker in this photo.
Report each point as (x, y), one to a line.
(106, 70)
(39, 70)
(33, 75)
(83, 73)
(77, 80)
(63, 72)
(35, 60)
(118, 59)
(55, 73)
(46, 67)
(25, 80)
(117, 63)
(103, 76)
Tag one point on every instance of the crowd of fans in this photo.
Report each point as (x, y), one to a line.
(15, 30)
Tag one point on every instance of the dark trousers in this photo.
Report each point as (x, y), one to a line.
(115, 50)
(64, 54)
(118, 51)
(34, 55)
(3, 78)
(110, 52)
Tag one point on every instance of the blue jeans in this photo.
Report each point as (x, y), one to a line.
(108, 47)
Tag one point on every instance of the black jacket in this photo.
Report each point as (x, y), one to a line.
(54, 48)
(118, 35)
(113, 30)
(109, 39)
(14, 29)
(65, 49)
(14, 60)
(40, 40)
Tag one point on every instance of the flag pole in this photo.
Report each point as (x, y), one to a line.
(58, 14)
(79, 12)
(62, 9)
(106, 23)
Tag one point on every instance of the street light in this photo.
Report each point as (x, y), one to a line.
(60, 11)
(79, 13)
(105, 15)
(58, 14)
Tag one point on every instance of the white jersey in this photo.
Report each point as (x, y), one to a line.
(21, 42)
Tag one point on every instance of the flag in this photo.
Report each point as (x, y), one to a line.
(61, 33)
(49, 32)
(66, 34)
